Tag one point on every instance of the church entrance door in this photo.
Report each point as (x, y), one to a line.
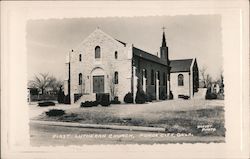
(98, 84)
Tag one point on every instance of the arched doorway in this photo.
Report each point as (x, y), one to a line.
(98, 80)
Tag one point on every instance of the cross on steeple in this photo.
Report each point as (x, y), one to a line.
(163, 28)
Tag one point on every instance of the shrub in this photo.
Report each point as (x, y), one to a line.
(115, 101)
(105, 101)
(89, 104)
(60, 96)
(67, 99)
(128, 98)
(171, 96)
(162, 96)
(116, 98)
(148, 98)
(186, 97)
(210, 95)
(140, 97)
(180, 96)
(45, 104)
(95, 103)
(183, 96)
(86, 104)
(55, 112)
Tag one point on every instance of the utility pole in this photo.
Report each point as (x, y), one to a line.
(69, 93)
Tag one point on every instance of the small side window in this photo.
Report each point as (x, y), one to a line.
(116, 55)
(80, 57)
(80, 79)
(116, 77)
(97, 52)
(180, 80)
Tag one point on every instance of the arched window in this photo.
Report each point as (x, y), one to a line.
(116, 54)
(80, 57)
(97, 52)
(80, 78)
(146, 76)
(152, 77)
(159, 77)
(180, 80)
(116, 77)
(142, 75)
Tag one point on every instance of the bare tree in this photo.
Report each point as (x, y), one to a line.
(221, 83)
(208, 80)
(44, 81)
(203, 72)
(55, 84)
(112, 86)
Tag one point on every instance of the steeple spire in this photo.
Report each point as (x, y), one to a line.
(164, 48)
(163, 38)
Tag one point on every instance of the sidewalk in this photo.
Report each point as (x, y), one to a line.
(98, 126)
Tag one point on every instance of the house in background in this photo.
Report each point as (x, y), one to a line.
(103, 64)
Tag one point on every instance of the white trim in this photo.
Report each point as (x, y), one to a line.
(191, 85)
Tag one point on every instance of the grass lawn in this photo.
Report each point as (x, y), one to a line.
(199, 117)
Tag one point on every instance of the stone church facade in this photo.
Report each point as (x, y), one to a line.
(102, 64)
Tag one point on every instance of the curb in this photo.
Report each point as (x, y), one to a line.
(99, 126)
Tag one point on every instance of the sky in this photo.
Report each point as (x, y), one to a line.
(188, 36)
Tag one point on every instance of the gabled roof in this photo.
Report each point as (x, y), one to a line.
(121, 42)
(182, 65)
(96, 32)
(148, 56)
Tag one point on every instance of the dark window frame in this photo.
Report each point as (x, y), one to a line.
(159, 77)
(146, 76)
(116, 77)
(180, 80)
(80, 57)
(116, 55)
(97, 52)
(152, 77)
(80, 78)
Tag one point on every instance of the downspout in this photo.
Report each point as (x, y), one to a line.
(69, 93)
(189, 84)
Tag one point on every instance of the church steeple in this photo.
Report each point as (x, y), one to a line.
(164, 48)
(163, 44)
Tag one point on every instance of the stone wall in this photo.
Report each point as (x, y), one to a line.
(106, 65)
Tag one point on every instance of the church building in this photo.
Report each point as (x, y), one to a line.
(184, 77)
(103, 64)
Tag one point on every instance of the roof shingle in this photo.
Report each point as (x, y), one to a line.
(182, 65)
(148, 56)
